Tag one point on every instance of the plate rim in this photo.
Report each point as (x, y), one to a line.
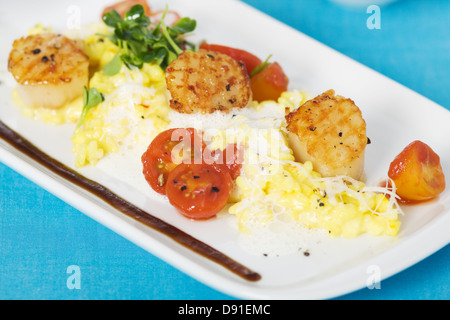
(39, 177)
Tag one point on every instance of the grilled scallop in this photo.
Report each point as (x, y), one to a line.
(330, 132)
(205, 81)
(50, 69)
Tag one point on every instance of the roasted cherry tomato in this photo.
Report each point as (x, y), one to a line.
(249, 60)
(198, 191)
(230, 159)
(269, 83)
(124, 6)
(417, 173)
(168, 149)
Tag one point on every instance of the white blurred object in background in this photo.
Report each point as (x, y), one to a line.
(363, 3)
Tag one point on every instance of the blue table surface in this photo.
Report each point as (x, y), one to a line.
(40, 235)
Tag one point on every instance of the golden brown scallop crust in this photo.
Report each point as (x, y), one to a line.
(206, 81)
(50, 69)
(330, 131)
(46, 58)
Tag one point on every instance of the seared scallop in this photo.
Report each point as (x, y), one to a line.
(50, 69)
(329, 131)
(205, 81)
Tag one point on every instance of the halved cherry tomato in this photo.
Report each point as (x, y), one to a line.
(168, 149)
(198, 191)
(417, 173)
(124, 6)
(269, 83)
(249, 60)
(230, 159)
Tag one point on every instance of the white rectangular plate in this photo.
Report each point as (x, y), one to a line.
(395, 117)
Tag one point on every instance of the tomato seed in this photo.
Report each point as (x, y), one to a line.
(161, 180)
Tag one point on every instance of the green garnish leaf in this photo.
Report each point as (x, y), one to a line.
(91, 98)
(184, 25)
(261, 67)
(112, 18)
(113, 67)
(135, 13)
(141, 42)
(175, 47)
(131, 60)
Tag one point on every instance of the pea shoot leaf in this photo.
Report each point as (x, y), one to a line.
(91, 98)
(140, 42)
(184, 25)
(114, 66)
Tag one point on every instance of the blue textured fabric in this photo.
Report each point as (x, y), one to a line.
(41, 236)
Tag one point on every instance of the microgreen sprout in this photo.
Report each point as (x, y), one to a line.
(91, 98)
(140, 42)
(260, 67)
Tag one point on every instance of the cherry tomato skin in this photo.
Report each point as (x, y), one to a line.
(229, 159)
(198, 191)
(269, 83)
(248, 59)
(123, 6)
(417, 173)
(156, 171)
(157, 160)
